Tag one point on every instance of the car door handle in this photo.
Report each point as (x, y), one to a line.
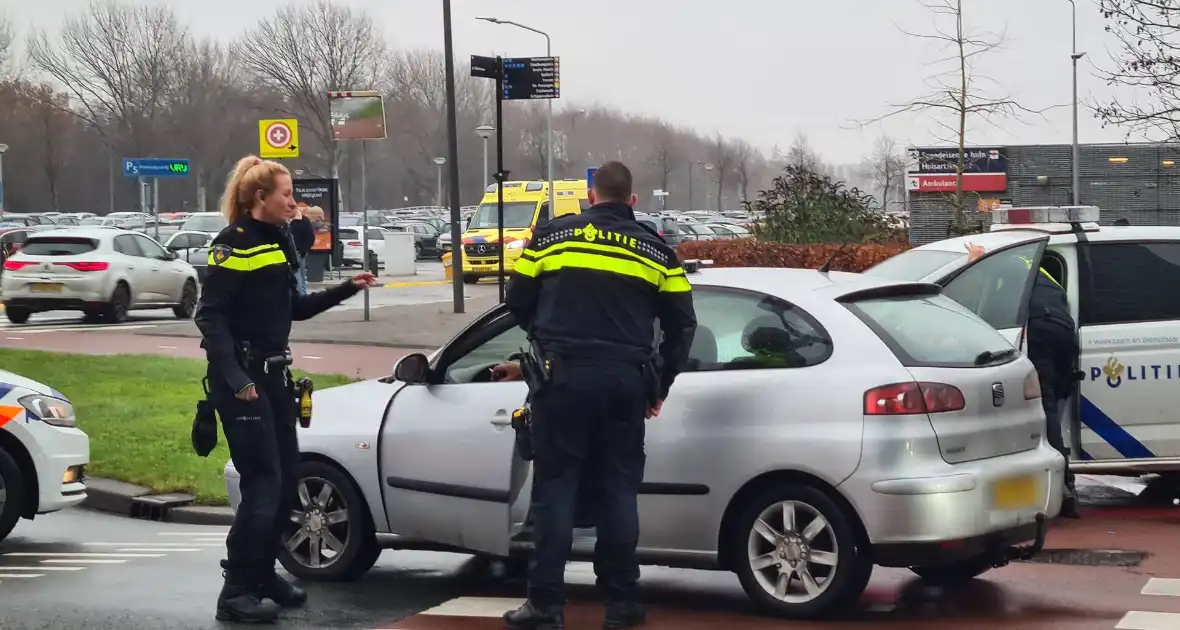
(501, 419)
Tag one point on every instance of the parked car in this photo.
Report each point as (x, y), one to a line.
(105, 273)
(909, 458)
(698, 232)
(442, 244)
(425, 236)
(211, 223)
(43, 454)
(12, 239)
(28, 220)
(352, 245)
(193, 248)
(728, 230)
(666, 227)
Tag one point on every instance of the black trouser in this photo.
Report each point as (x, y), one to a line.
(588, 421)
(265, 451)
(1052, 348)
(1054, 407)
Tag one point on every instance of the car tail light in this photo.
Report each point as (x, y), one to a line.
(902, 399)
(15, 265)
(1032, 386)
(85, 266)
(353, 243)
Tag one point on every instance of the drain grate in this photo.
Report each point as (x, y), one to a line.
(1090, 557)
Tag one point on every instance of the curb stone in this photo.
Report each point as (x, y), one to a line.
(125, 499)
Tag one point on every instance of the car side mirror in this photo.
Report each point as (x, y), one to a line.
(412, 369)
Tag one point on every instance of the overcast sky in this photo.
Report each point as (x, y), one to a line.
(763, 70)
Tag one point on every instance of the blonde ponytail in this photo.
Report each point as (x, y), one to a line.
(250, 175)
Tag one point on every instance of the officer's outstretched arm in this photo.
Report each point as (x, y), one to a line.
(305, 307)
(212, 318)
(678, 321)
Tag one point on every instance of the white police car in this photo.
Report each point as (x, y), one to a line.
(1120, 282)
(42, 452)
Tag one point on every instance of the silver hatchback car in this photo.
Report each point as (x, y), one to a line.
(826, 423)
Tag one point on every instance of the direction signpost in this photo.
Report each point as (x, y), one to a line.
(517, 79)
(278, 138)
(154, 169)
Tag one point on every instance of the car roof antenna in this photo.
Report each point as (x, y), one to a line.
(827, 266)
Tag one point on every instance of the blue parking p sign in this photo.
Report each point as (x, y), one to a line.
(590, 177)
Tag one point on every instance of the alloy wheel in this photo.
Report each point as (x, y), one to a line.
(3, 494)
(322, 524)
(792, 551)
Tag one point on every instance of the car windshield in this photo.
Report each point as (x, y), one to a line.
(205, 223)
(59, 246)
(351, 220)
(932, 331)
(735, 229)
(517, 215)
(701, 229)
(913, 265)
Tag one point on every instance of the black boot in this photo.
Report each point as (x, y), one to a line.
(530, 617)
(624, 615)
(239, 602)
(1069, 505)
(281, 591)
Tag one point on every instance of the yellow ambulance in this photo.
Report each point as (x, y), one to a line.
(526, 206)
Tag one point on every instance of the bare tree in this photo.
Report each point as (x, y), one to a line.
(721, 155)
(1146, 59)
(745, 161)
(802, 155)
(117, 62)
(958, 94)
(305, 51)
(7, 39)
(886, 168)
(666, 153)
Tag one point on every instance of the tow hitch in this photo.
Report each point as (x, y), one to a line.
(1023, 552)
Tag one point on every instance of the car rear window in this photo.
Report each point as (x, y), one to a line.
(59, 246)
(933, 331)
(350, 234)
(913, 265)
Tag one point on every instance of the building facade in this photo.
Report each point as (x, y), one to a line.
(1139, 182)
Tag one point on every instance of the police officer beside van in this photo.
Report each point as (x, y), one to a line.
(247, 304)
(589, 289)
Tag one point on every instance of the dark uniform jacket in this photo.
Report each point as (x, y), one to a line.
(250, 296)
(592, 285)
(1052, 337)
(303, 234)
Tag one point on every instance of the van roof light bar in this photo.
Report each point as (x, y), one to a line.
(1045, 214)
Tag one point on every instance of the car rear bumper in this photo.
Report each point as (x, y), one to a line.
(74, 293)
(907, 494)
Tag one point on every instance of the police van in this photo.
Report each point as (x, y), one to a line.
(1119, 282)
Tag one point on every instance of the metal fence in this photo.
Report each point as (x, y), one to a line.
(1138, 182)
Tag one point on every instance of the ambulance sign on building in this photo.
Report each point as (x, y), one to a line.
(985, 169)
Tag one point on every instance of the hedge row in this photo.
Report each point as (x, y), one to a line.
(749, 252)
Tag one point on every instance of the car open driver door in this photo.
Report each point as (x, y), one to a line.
(449, 467)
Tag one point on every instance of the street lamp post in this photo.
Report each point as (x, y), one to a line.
(3, 149)
(1075, 56)
(485, 132)
(439, 161)
(708, 187)
(549, 114)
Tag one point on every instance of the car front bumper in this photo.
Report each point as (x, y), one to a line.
(59, 456)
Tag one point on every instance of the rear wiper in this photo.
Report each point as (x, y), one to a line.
(987, 356)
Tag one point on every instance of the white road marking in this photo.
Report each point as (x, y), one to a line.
(83, 560)
(308, 356)
(475, 607)
(15, 338)
(42, 568)
(166, 347)
(219, 541)
(1162, 586)
(200, 534)
(60, 329)
(155, 550)
(55, 554)
(26, 576)
(1138, 620)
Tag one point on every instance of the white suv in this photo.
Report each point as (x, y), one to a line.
(102, 272)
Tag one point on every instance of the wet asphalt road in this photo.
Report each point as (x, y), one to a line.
(152, 575)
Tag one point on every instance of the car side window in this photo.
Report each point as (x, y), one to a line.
(994, 287)
(1124, 283)
(468, 367)
(125, 244)
(376, 235)
(150, 248)
(743, 330)
(182, 241)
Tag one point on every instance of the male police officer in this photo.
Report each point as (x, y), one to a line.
(588, 288)
(1053, 350)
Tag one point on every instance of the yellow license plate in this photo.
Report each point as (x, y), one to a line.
(45, 288)
(1015, 493)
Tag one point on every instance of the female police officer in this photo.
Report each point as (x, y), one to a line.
(247, 304)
